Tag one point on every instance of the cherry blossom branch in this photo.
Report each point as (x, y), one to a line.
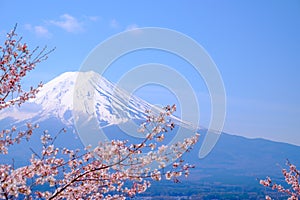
(7, 138)
(292, 178)
(15, 62)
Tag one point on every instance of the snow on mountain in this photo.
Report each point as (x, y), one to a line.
(111, 104)
(55, 99)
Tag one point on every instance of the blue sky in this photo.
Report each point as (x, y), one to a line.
(255, 45)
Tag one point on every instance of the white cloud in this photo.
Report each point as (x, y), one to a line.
(131, 27)
(68, 23)
(134, 28)
(114, 24)
(93, 18)
(40, 31)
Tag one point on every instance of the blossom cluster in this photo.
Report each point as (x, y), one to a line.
(291, 178)
(114, 169)
(16, 60)
(8, 137)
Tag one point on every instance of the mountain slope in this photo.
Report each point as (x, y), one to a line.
(240, 156)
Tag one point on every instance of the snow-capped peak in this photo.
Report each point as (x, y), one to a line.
(110, 104)
(55, 99)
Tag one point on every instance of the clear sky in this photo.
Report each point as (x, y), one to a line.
(255, 44)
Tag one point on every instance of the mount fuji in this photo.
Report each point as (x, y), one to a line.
(112, 105)
(55, 100)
